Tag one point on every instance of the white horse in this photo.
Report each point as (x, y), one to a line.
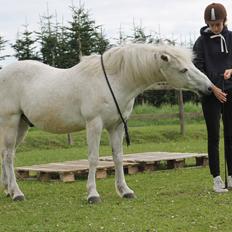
(68, 100)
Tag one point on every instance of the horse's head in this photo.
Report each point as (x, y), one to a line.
(177, 68)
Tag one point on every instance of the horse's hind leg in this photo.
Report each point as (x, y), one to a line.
(21, 133)
(4, 180)
(116, 139)
(94, 129)
(22, 129)
(8, 141)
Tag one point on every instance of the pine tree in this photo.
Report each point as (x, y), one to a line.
(102, 44)
(63, 47)
(48, 40)
(84, 36)
(139, 35)
(25, 46)
(2, 48)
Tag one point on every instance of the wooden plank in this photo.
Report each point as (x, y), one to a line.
(132, 169)
(81, 174)
(202, 161)
(101, 173)
(175, 163)
(67, 176)
(44, 176)
(149, 167)
(22, 174)
(66, 166)
(85, 163)
(155, 156)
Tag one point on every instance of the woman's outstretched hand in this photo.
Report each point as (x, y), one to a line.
(219, 94)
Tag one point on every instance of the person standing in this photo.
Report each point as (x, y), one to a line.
(213, 56)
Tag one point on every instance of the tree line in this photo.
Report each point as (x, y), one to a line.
(62, 45)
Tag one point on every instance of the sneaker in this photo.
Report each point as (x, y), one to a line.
(218, 185)
(229, 182)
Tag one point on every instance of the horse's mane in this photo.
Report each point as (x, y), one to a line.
(180, 53)
(112, 59)
(122, 58)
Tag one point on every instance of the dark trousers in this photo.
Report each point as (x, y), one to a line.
(213, 110)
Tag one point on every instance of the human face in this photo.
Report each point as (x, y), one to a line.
(216, 28)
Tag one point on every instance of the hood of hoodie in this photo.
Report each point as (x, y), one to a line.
(205, 31)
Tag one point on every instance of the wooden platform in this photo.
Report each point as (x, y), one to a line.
(69, 171)
(151, 160)
(73, 170)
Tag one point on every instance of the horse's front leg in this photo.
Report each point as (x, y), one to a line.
(116, 139)
(94, 129)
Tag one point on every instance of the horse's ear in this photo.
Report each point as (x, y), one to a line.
(165, 58)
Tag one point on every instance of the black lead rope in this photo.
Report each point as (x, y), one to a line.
(127, 136)
(223, 115)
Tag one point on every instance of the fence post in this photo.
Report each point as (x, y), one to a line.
(70, 139)
(181, 112)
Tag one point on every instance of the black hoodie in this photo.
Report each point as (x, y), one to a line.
(214, 55)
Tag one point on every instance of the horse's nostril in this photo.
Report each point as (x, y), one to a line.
(210, 89)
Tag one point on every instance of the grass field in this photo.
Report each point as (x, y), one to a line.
(169, 200)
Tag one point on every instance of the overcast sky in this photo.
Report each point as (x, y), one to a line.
(176, 18)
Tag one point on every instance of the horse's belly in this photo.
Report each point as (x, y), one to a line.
(56, 122)
(59, 127)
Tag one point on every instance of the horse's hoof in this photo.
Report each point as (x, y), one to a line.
(129, 195)
(19, 198)
(94, 200)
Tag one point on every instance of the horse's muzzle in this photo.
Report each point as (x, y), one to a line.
(204, 93)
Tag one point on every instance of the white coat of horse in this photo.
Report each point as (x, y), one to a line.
(68, 100)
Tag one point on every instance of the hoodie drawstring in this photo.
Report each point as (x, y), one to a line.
(222, 40)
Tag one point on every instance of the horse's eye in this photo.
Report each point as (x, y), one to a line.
(184, 70)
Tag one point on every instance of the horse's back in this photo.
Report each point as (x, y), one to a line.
(26, 69)
(16, 80)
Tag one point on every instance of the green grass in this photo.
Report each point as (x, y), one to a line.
(179, 200)
(166, 108)
(167, 201)
(164, 115)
